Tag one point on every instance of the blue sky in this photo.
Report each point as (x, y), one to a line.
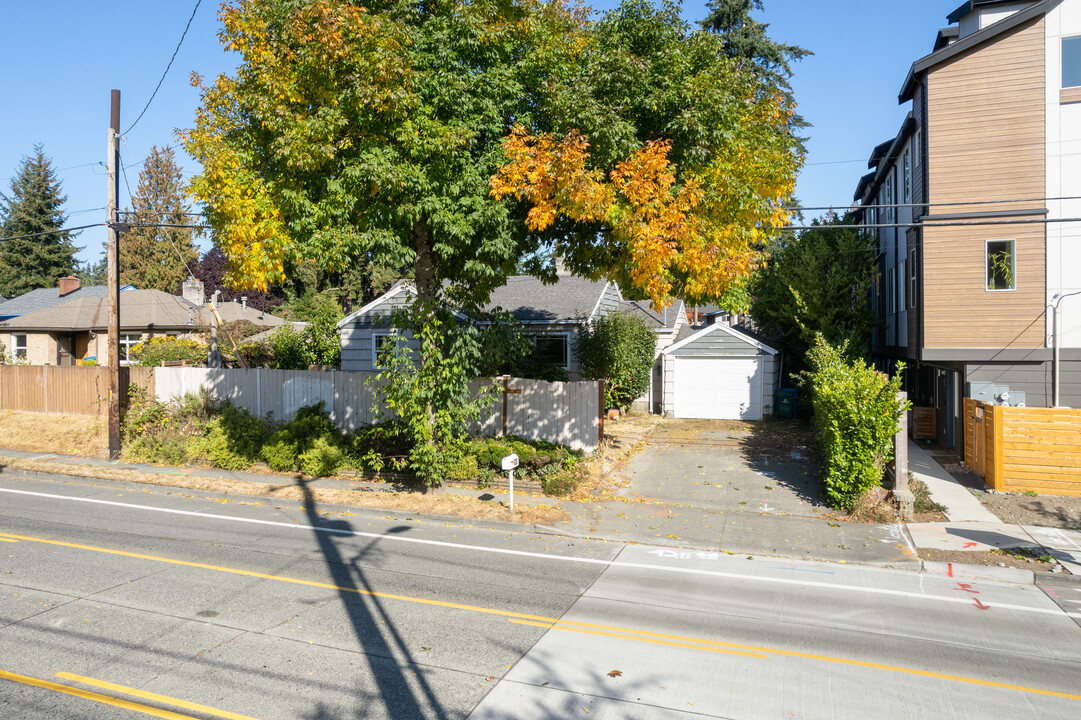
(62, 57)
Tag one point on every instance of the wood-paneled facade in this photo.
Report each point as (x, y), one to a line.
(972, 158)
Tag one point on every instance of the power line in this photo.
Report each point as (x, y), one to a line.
(154, 94)
(850, 208)
(53, 232)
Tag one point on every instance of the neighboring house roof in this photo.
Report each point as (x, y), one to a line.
(971, 5)
(570, 300)
(233, 311)
(666, 318)
(717, 327)
(139, 310)
(969, 42)
(44, 298)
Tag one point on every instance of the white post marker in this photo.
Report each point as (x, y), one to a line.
(509, 463)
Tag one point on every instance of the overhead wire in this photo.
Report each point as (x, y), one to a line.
(154, 94)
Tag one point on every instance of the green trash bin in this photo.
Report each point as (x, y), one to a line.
(785, 403)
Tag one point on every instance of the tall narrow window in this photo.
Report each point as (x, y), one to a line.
(1071, 62)
(1001, 265)
(913, 281)
(908, 174)
(891, 291)
(916, 157)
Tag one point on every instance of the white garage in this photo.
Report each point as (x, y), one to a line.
(719, 372)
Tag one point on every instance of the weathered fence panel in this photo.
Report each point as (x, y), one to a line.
(1037, 449)
(54, 389)
(566, 413)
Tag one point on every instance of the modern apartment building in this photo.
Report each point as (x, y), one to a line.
(976, 204)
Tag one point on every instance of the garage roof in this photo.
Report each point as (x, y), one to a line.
(719, 327)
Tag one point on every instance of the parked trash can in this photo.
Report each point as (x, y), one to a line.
(785, 403)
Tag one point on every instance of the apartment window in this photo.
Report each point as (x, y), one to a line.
(18, 347)
(901, 275)
(913, 281)
(888, 198)
(553, 349)
(1001, 265)
(1071, 62)
(891, 291)
(127, 342)
(908, 174)
(917, 158)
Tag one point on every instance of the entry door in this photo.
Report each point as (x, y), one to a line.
(718, 388)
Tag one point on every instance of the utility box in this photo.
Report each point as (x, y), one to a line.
(982, 392)
(1017, 398)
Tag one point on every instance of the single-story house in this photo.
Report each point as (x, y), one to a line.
(550, 313)
(76, 331)
(718, 372)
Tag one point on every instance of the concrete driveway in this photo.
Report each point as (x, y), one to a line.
(761, 467)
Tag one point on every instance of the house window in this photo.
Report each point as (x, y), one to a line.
(1001, 265)
(916, 157)
(18, 347)
(1071, 62)
(908, 174)
(381, 342)
(901, 274)
(554, 349)
(913, 281)
(127, 342)
(888, 199)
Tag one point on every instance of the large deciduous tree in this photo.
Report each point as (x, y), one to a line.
(35, 207)
(154, 256)
(456, 138)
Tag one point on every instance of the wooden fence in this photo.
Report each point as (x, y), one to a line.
(1018, 449)
(569, 413)
(63, 390)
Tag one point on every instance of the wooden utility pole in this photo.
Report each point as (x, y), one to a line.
(113, 271)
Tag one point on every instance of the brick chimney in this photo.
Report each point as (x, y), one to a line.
(68, 285)
(193, 291)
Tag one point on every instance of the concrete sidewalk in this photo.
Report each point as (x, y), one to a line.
(961, 505)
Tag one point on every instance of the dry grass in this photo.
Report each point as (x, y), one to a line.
(84, 435)
(429, 503)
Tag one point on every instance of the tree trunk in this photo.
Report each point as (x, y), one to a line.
(427, 276)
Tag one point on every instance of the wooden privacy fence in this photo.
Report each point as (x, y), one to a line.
(569, 413)
(1017, 449)
(64, 390)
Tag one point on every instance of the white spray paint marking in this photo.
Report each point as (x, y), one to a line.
(563, 558)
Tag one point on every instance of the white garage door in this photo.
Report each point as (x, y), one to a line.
(722, 388)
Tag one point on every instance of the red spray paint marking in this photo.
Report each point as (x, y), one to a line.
(967, 588)
(949, 569)
(980, 605)
(969, 544)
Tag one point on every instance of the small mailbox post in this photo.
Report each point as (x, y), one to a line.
(509, 463)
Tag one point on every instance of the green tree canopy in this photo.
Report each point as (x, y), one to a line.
(617, 348)
(819, 283)
(352, 132)
(158, 258)
(34, 208)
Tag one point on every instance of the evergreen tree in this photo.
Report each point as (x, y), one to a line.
(158, 258)
(746, 40)
(33, 207)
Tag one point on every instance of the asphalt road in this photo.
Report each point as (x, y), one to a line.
(118, 599)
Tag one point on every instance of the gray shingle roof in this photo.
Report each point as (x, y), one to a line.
(232, 311)
(666, 318)
(139, 310)
(44, 298)
(571, 299)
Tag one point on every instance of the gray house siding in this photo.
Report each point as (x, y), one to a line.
(356, 335)
(610, 300)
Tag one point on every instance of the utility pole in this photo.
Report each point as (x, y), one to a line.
(113, 271)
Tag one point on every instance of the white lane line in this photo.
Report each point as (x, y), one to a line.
(967, 600)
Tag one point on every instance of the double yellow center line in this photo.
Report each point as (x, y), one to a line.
(120, 702)
(568, 625)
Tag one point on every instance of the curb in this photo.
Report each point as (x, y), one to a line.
(966, 571)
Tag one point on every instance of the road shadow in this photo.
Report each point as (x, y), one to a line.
(402, 687)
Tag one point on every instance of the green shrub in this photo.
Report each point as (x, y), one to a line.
(465, 469)
(280, 451)
(856, 415)
(323, 458)
(311, 426)
(619, 349)
(235, 439)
